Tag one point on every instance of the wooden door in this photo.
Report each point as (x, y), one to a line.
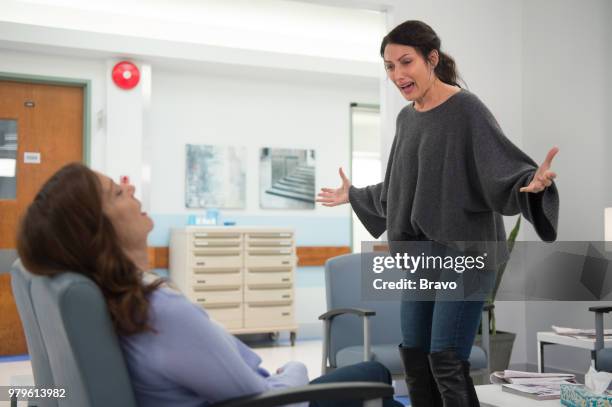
(49, 124)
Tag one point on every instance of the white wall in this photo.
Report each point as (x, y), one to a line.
(249, 112)
(567, 52)
(253, 112)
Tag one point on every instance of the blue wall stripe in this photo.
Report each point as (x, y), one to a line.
(309, 230)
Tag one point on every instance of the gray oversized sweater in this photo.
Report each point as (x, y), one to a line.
(451, 175)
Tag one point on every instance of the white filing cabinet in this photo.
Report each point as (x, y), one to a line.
(243, 276)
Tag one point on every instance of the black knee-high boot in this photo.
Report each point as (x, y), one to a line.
(422, 387)
(453, 378)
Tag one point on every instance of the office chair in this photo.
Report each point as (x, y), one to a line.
(73, 345)
(356, 330)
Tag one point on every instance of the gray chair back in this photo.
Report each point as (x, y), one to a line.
(343, 290)
(80, 342)
(343, 284)
(21, 282)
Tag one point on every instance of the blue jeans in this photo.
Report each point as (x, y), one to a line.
(435, 326)
(360, 372)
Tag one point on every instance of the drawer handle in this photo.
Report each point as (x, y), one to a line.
(286, 314)
(201, 281)
(285, 279)
(200, 263)
(286, 296)
(286, 262)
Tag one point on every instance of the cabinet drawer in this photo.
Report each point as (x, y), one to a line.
(269, 295)
(200, 243)
(266, 316)
(209, 260)
(216, 235)
(205, 297)
(270, 261)
(270, 251)
(230, 316)
(205, 280)
(262, 242)
(269, 235)
(269, 278)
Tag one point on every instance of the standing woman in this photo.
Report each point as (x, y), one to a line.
(450, 177)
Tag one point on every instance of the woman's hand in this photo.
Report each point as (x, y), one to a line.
(338, 196)
(544, 176)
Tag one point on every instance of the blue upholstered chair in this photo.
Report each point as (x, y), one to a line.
(21, 282)
(73, 345)
(356, 330)
(70, 336)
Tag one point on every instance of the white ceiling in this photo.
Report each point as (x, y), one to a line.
(279, 26)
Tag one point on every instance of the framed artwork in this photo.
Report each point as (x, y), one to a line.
(215, 177)
(286, 178)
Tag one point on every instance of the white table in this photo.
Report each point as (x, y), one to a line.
(491, 395)
(550, 338)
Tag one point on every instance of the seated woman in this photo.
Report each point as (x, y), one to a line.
(83, 221)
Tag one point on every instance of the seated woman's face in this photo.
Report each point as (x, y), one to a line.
(125, 213)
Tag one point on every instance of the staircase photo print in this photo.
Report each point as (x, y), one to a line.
(287, 178)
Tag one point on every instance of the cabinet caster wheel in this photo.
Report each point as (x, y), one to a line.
(292, 336)
(273, 336)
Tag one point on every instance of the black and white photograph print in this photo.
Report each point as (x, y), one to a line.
(286, 178)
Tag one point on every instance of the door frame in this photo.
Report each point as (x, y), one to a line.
(353, 105)
(61, 81)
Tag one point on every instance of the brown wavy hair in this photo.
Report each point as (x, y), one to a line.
(424, 39)
(65, 229)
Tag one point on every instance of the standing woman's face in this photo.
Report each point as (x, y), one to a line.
(408, 70)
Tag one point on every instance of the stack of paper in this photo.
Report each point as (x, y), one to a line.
(590, 333)
(540, 386)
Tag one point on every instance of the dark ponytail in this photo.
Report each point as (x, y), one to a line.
(424, 39)
(446, 70)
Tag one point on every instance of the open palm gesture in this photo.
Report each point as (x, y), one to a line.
(335, 196)
(544, 176)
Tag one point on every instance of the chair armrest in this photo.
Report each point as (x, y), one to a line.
(327, 319)
(486, 336)
(600, 309)
(340, 311)
(324, 391)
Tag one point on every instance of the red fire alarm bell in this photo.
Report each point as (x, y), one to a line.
(126, 75)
